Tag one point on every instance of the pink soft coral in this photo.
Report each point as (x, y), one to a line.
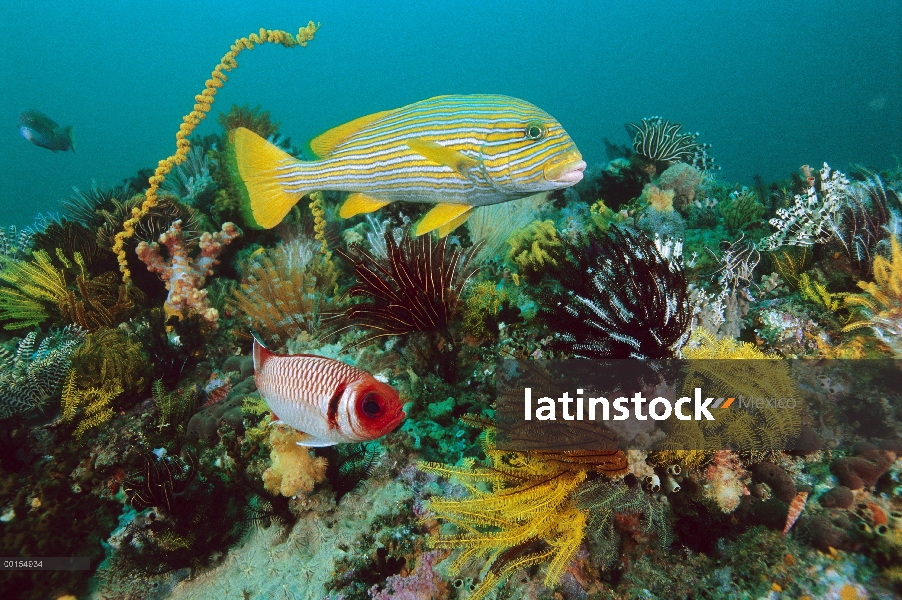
(422, 584)
(185, 275)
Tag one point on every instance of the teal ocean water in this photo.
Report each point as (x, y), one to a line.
(771, 85)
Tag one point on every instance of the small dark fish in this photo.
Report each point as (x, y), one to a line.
(41, 130)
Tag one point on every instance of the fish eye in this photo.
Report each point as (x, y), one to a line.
(535, 130)
(372, 405)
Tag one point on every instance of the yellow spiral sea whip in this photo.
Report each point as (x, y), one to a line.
(204, 101)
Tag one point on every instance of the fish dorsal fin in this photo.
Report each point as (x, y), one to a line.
(261, 354)
(260, 165)
(443, 216)
(308, 441)
(358, 204)
(324, 144)
(443, 156)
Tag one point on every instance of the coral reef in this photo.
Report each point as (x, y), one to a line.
(284, 291)
(294, 471)
(136, 436)
(418, 289)
(594, 315)
(192, 120)
(185, 275)
(31, 376)
(660, 141)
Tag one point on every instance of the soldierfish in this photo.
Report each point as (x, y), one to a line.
(41, 130)
(329, 401)
(458, 152)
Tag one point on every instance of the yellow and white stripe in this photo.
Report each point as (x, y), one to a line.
(454, 151)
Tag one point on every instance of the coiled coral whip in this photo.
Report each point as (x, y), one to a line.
(203, 101)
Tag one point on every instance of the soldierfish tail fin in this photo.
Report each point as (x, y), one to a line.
(261, 354)
(68, 132)
(262, 167)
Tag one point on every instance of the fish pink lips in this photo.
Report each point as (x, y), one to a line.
(569, 172)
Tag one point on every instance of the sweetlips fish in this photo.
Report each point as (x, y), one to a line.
(325, 399)
(41, 130)
(457, 152)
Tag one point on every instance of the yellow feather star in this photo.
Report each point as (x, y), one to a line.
(526, 517)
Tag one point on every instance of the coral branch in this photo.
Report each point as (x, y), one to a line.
(185, 275)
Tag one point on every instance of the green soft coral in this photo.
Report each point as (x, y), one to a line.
(481, 308)
(534, 247)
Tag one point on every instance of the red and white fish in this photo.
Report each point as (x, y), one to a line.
(795, 509)
(329, 401)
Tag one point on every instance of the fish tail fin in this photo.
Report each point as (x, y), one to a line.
(71, 136)
(262, 167)
(261, 354)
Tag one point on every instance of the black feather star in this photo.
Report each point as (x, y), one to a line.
(617, 296)
(417, 289)
(159, 481)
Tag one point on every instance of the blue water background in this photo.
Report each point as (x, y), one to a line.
(771, 85)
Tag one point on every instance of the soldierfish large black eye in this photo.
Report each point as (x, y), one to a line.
(372, 405)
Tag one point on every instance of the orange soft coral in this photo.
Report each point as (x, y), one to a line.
(294, 470)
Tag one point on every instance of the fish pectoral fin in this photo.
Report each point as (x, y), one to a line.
(358, 204)
(308, 441)
(454, 224)
(324, 144)
(260, 163)
(67, 131)
(448, 157)
(445, 218)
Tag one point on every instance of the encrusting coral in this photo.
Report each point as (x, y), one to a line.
(294, 471)
(204, 102)
(184, 275)
(657, 198)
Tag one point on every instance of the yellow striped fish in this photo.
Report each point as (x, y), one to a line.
(457, 152)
